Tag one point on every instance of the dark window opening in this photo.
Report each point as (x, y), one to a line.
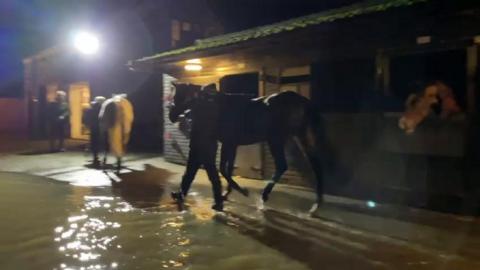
(410, 73)
(243, 84)
(344, 86)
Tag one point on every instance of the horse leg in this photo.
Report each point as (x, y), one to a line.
(223, 169)
(105, 158)
(277, 148)
(308, 144)
(227, 162)
(106, 148)
(119, 164)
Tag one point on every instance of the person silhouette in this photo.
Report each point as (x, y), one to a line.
(58, 120)
(92, 120)
(203, 145)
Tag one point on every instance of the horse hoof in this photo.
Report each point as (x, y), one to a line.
(314, 208)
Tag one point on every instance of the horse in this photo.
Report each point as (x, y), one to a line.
(273, 119)
(419, 106)
(116, 118)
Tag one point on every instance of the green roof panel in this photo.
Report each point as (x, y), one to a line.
(285, 26)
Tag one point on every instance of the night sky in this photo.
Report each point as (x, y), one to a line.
(28, 26)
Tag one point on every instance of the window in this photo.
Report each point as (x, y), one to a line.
(344, 85)
(410, 73)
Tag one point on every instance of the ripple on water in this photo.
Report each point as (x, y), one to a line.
(90, 228)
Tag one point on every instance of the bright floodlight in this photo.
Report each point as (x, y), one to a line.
(86, 43)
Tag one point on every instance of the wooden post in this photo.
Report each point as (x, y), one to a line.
(28, 84)
(379, 72)
(472, 63)
(382, 73)
(278, 79)
(262, 82)
(386, 75)
(262, 91)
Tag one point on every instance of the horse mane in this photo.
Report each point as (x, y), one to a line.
(107, 113)
(109, 110)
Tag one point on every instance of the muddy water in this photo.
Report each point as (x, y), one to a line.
(50, 225)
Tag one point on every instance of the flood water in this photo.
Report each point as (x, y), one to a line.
(133, 224)
(51, 225)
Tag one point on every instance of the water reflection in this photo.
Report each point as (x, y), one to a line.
(85, 237)
(89, 239)
(142, 189)
(74, 227)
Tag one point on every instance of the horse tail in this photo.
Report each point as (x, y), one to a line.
(315, 130)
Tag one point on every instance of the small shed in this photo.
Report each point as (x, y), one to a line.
(83, 78)
(357, 64)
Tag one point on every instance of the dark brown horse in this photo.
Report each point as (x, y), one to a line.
(273, 119)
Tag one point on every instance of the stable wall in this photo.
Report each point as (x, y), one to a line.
(13, 115)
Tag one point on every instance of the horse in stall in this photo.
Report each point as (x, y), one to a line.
(420, 106)
(273, 119)
(116, 118)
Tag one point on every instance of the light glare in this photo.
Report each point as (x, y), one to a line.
(371, 204)
(194, 61)
(193, 67)
(86, 43)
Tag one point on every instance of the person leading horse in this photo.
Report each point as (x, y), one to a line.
(243, 121)
(203, 140)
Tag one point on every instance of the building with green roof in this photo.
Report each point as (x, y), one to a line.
(358, 64)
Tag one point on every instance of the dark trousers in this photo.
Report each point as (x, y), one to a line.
(57, 132)
(196, 158)
(95, 143)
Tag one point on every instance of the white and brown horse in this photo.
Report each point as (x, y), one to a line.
(419, 106)
(116, 118)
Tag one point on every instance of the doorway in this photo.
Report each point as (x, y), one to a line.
(79, 100)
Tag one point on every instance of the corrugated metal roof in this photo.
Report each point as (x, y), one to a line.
(285, 26)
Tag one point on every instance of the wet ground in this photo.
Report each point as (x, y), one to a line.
(51, 225)
(88, 219)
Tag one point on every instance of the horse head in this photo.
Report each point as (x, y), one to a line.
(183, 96)
(418, 107)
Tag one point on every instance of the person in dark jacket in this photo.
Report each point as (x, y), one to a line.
(203, 145)
(58, 121)
(92, 121)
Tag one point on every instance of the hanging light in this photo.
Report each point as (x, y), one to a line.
(194, 61)
(193, 67)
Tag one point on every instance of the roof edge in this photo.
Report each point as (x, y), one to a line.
(363, 8)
